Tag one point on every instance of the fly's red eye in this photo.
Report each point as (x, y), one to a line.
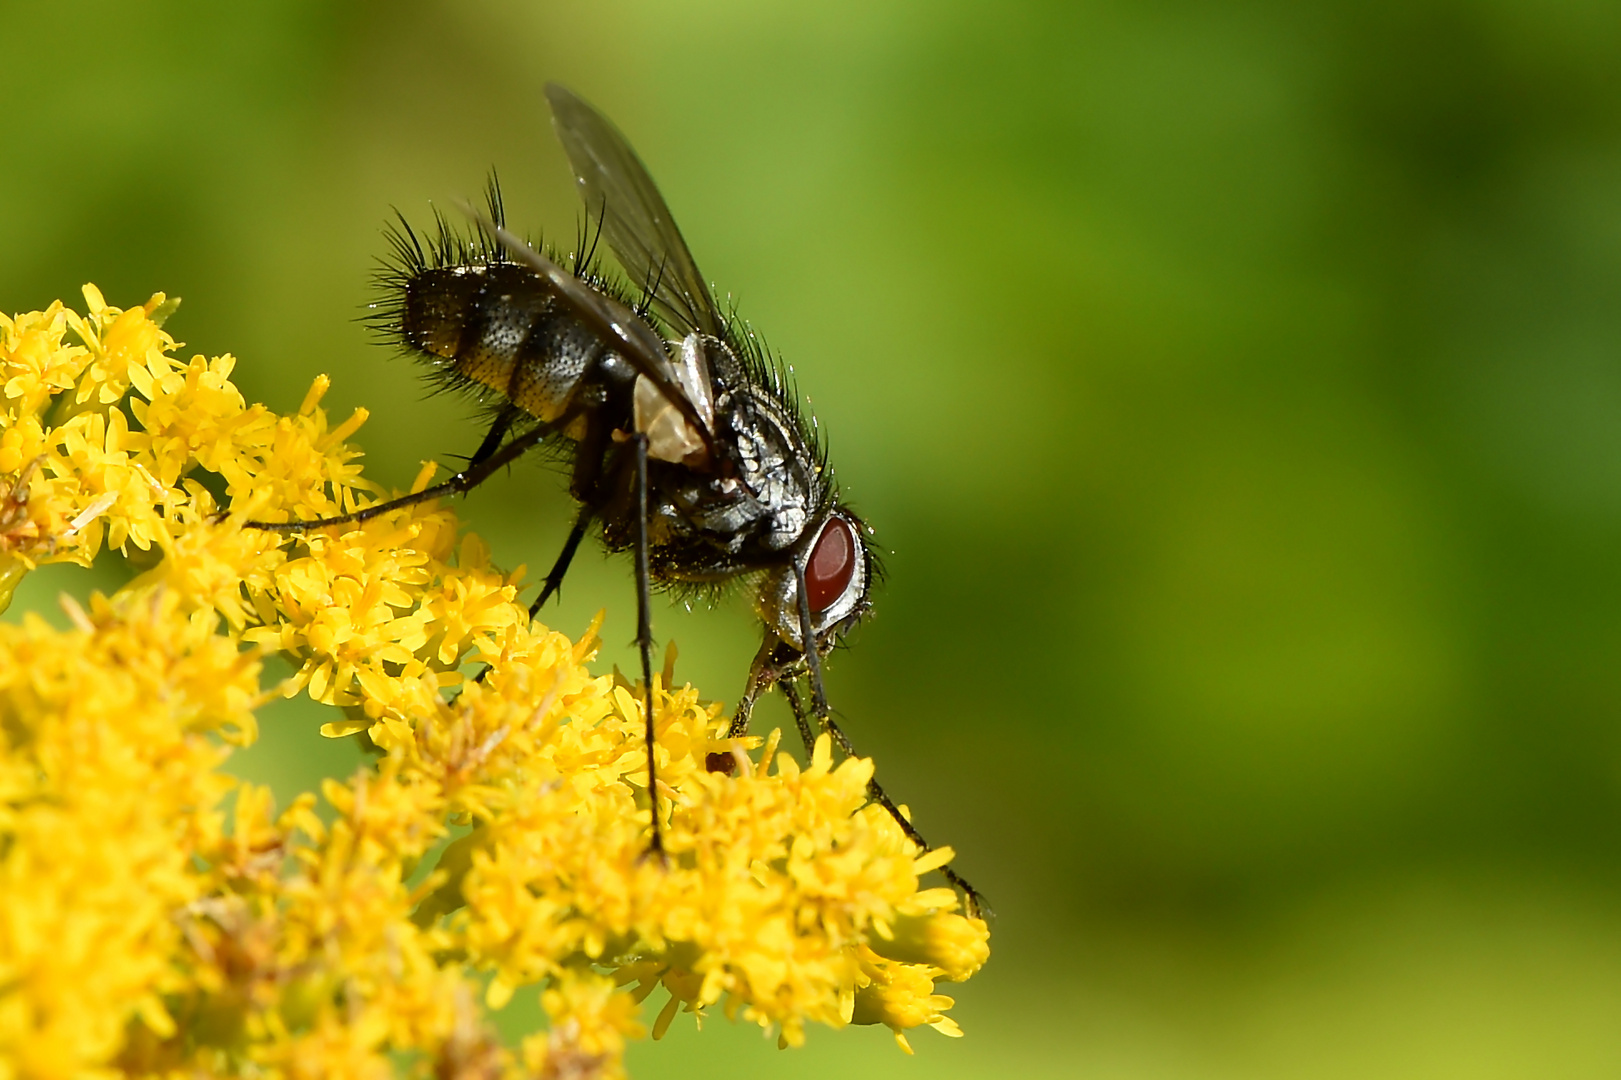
(832, 562)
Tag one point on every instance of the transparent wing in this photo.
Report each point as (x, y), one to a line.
(618, 191)
(632, 338)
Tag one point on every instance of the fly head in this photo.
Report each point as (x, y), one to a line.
(838, 572)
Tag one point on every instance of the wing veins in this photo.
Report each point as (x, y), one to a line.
(618, 190)
(613, 321)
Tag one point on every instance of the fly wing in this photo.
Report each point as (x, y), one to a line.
(617, 325)
(618, 191)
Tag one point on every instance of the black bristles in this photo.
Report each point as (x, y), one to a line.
(448, 246)
(766, 369)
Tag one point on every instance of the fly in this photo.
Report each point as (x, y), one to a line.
(683, 438)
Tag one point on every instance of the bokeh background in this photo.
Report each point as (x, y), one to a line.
(1235, 386)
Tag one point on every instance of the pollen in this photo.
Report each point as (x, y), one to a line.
(159, 916)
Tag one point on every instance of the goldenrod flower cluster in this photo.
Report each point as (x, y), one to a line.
(157, 917)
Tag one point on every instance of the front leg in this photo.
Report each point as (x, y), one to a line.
(973, 901)
(767, 670)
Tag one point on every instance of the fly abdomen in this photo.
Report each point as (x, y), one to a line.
(499, 325)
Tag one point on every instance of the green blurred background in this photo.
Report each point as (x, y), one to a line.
(1235, 385)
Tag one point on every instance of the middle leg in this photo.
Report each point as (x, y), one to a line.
(973, 901)
(644, 635)
(554, 576)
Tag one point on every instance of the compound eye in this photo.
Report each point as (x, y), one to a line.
(832, 562)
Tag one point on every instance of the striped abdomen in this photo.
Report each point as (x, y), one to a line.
(499, 325)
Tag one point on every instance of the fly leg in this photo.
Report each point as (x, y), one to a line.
(806, 735)
(762, 676)
(466, 480)
(771, 669)
(974, 903)
(586, 487)
(554, 576)
(807, 642)
(644, 633)
(761, 679)
(498, 431)
(764, 673)
(587, 473)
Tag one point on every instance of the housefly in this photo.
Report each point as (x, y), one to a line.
(684, 442)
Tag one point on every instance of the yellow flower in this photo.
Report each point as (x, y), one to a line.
(149, 926)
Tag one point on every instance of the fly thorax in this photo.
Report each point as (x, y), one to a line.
(720, 510)
(771, 472)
